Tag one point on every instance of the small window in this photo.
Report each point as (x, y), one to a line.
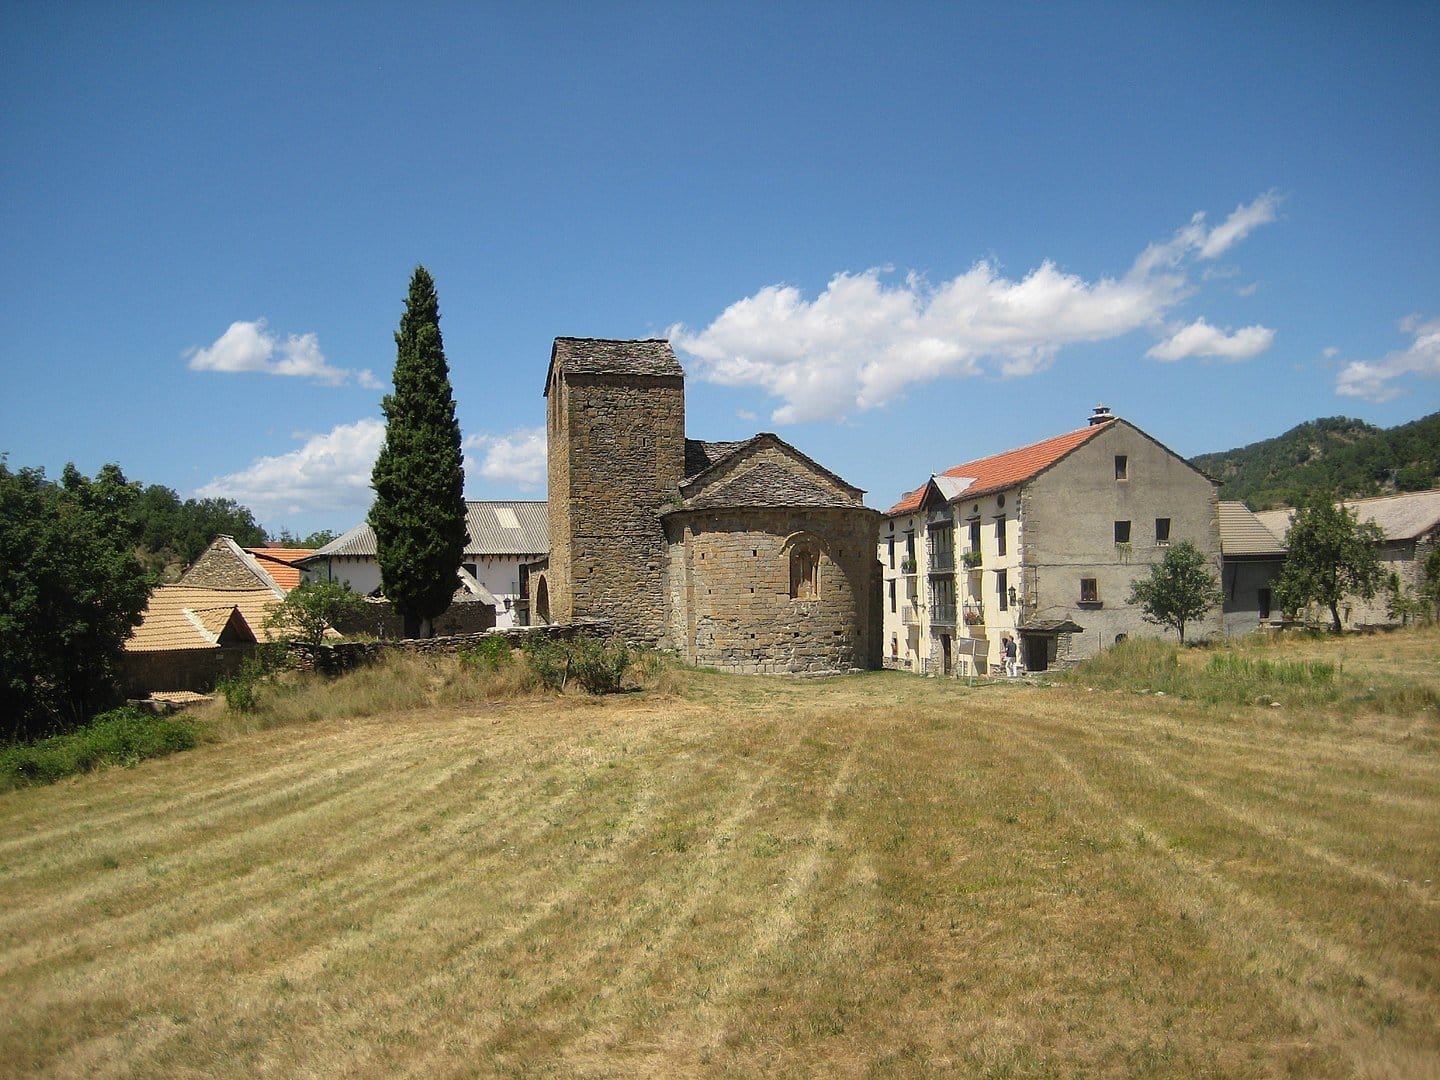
(1264, 603)
(1089, 590)
(1002, 589)
(804, 574)
(1162, 532)
(892, 597)
(975, 535)
(1122, 467)
(892, 552)
(1122, 532)
(1000, 536)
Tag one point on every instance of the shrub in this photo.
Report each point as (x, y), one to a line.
(599, 665)
(488, 654)
(240, 690)
(122, 736)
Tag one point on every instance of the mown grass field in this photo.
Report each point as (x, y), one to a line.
(867, 876)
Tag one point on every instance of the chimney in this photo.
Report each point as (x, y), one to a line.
(1101, 415)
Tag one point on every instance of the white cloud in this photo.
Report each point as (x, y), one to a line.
(327, 474)
(1374, 380)
(250, 346)
(1240, 224)
(517, 457)
(865, 341)
(1202, 339)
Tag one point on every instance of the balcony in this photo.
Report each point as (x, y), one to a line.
(942, 615)
(972, 559)
(912, 615)
(942, 562)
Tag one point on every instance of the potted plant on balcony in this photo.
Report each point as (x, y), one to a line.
(907, 566)
(974, 616)
(971, 559)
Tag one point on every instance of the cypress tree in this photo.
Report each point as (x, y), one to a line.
(419, 478)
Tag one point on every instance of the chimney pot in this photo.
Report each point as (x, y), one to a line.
(1101, 415)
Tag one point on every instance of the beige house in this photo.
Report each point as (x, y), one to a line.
(1040, 543)
(1411, 524)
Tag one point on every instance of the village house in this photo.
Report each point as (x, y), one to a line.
(202, 627)
(1411, 524)
(1251, 560)
(1041, 543)
(746, 555)
(501, 539)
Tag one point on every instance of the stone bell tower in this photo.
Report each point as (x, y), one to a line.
(615, 414)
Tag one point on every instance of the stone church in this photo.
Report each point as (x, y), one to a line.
(747, 556)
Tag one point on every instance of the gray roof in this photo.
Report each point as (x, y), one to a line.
(699, 455)
(1403, 517)
(601, 356)
(1242, 533)
(765, 484)
(519, 527)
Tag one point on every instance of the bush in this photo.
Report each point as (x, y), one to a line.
(240, 690)
(599, 665)
(488, 654)
(124, 736)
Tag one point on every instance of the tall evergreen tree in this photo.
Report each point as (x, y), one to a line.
(419, 478)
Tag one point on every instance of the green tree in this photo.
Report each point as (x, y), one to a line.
(71, 590)
(172, 532)
(1179, 590)
(1330, 554)
(419, 478)
(310, 609)
(1430, 584)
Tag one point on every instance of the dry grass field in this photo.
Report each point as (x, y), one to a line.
(873, 875)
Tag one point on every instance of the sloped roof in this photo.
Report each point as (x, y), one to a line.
(190, 617)
(514, 527)
(603, 356)
(727, 482)
(1244, 534)
(1001, 471)
(280, 563)
(700, 456)
(1403, 517)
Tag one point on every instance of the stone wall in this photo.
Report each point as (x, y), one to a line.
(617, 452)
(218, 567)
(381, 620)
(730, 590)
(142, 673)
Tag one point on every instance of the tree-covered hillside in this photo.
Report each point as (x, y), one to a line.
(1350, 457)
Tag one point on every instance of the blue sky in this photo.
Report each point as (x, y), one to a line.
(900, 236)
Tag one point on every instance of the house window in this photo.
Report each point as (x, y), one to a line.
(1000, 536)
(1162, 532)
(975, 535)
(1002, 586)
(892, 552)
(1089, 590)
(1122, 532)
(1264, 603)
(1122, 467)
(804, 573)
(892, 597)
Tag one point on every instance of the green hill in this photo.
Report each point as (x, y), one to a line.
(1336, 453)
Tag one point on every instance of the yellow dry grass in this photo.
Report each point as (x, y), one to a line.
(874, 875)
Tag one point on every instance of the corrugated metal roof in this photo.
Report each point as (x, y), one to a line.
(1242, 533)
(514, 527)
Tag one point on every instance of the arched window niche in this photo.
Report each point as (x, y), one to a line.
(804, 550)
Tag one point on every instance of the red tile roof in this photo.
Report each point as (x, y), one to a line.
(279, 563)
(1005, 470)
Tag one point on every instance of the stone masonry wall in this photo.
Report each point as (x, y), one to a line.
(617, 452)
(218, 568)
(730, 590)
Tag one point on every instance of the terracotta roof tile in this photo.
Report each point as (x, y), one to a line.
(189, 617)
(1000, 471)
(279, 563)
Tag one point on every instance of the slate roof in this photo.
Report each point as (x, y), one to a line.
(1243, 534)
(190, 617)
(1403, 517)
(602, 356)
(700, 456)
(727, 482)
(515, 527)
(1001, 471)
